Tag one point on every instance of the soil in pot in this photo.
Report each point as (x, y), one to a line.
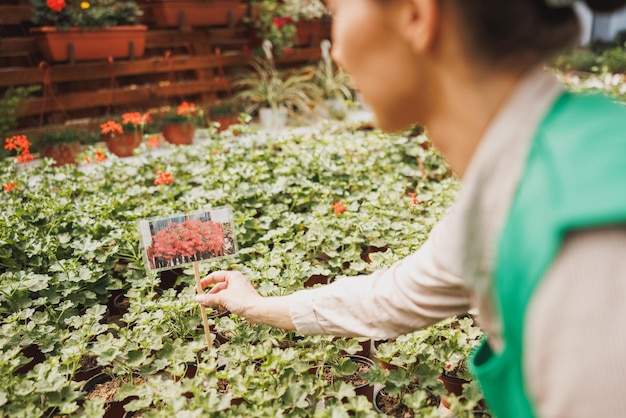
(361, 385)
(104, 386)
(392, 405)
(87, 368)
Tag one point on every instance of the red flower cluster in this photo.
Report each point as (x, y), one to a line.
(135, 118)
(22, 145)
(163, 178)
(56, 5)
(187, 109)
(339, 208)
(99, 157)
(153, 141)
(10, 186)
(111, 128)
(414, 200)
(188, 239)
(279, 22)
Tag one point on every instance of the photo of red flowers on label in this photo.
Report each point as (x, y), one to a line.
(170, 242)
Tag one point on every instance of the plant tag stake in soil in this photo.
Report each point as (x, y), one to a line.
(187, 238)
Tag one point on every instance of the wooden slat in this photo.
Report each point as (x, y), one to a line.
(14, 14)
(101, 70)
(14, 45)
(124, 96)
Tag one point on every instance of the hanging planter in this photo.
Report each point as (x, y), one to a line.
(77, 44)
(123, 145)
(62, 154)
(179, 133)
(186, 13)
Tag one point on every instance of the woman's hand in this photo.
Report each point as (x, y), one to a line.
(232, 291)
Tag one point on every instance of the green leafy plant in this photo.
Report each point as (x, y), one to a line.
(274, 23)
(185, 112)
(266, 85)
(9, 102)
(87, 14)
(61, 135)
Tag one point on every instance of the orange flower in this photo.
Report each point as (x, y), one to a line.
(56, 5)
(87, 160)
(163, 178)
(414, 200)
(100, 156)
(339, 208)
(135, 118)
(186, 109)
(25, 157)
(111, 128)
(153, 141)
(10, 186)
(22, 145)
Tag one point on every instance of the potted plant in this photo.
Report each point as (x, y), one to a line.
(224, 112)
(307, 15)
(61, 143)
(275, 93)
(87, 29)
(335, 84)
(271, 21)
(122, 139)
(179, 125)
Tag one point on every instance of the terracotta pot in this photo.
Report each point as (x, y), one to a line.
(225, 121)
(62, 154)
(179, 133)
(124, 145)
(185, 13)
(84, 45)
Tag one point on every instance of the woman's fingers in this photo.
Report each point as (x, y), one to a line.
(219, 287)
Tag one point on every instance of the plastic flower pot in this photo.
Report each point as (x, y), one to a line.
(392, 405)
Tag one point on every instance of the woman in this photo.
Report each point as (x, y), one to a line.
(537, 236)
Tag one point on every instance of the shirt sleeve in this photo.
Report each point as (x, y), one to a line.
(415, 292)
(575, 333)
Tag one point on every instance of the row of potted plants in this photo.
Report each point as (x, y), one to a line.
(123, 135)
(96, 29)
(332, 203)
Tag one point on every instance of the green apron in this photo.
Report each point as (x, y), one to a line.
(574, 178)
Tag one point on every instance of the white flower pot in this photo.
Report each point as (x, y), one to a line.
(273, 119)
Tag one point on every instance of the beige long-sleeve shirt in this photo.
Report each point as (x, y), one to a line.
(575, 335)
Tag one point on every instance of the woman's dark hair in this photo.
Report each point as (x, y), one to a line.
(505, 31)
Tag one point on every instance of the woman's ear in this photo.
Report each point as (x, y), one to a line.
(420, 23)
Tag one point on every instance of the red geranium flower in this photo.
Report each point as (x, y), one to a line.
(111, 128)
(56, 5)
(22, 145)
(10, 186)
(414, 200)
(339, 208)
(163, 178)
